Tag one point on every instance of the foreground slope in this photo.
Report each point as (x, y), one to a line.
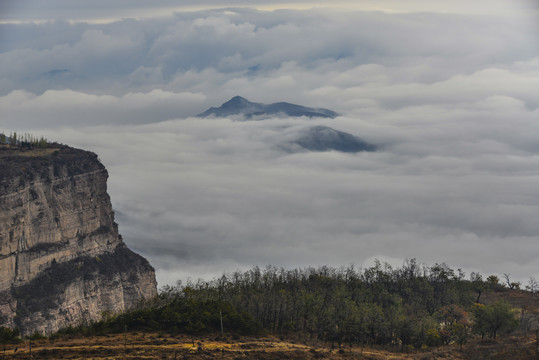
(161, 346)
(62, 260)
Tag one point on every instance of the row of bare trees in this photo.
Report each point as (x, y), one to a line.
(411, 306)
(24, 141)
(414, 305)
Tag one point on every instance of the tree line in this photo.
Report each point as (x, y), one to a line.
(24, 141)
(412, 306)
(408, 307)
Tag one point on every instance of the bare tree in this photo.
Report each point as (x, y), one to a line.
(513, 285)
(533, 285)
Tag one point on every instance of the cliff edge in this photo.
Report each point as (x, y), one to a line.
(62, 260)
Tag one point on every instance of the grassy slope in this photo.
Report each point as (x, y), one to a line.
(160, 346)
(151, 345)
(8, 150)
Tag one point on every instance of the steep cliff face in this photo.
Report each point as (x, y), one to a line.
(62, 261)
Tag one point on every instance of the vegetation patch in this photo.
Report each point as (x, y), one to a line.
(407, 309)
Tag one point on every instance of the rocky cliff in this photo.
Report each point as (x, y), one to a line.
(62, 261)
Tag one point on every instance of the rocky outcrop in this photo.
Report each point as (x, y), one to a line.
(62, 261)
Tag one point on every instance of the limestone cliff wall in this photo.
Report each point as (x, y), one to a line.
(62, 261)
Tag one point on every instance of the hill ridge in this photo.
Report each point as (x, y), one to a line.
(239, 105)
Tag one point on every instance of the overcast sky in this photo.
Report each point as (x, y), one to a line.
(447, 90)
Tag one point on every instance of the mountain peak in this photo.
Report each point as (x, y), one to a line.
(238, 99)
(323, 138)
(236, 102)
(241, 106)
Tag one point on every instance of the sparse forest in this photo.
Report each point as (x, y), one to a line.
(24, 141)
(409, 307)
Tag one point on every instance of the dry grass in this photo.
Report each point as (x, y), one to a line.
(159, 346)
(5, 151)
(517, 298)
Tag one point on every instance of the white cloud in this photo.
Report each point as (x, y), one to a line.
(71, 108)
(130, 55)
(100, 11)
(217, 191)
(450, 99)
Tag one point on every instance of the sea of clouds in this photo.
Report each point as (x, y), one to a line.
(449, 98)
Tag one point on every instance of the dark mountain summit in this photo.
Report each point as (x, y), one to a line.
(315, 138)
(241, 106)
(323, 138)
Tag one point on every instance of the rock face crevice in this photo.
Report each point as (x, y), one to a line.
(62, 260)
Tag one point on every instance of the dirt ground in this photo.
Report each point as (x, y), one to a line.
(160, 346)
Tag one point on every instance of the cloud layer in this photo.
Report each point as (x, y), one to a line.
(449, 98)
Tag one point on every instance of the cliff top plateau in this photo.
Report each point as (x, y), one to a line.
(15, 162)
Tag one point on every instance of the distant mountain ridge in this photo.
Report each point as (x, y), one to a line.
(313, 138)
(323, 138)
(241, 106)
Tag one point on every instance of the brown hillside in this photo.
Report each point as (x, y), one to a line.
(159, 346)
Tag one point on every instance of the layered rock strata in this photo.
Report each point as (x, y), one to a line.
(62, 260)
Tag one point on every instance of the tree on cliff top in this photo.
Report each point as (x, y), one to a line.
(25, 141)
